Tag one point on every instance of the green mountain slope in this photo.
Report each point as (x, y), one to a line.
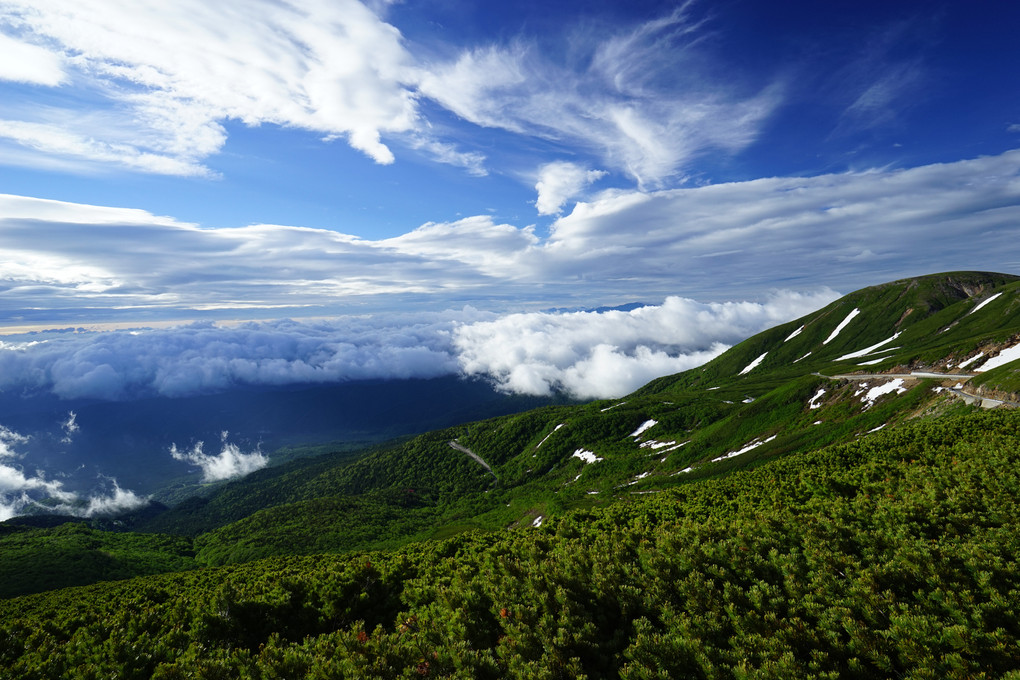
(771, 396)
(891, 556)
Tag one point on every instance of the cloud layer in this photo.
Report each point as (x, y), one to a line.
(586, 354)
(609, 354)
(725, 241)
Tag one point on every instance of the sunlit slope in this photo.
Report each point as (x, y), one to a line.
(735, 412)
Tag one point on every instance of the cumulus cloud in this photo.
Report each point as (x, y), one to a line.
(559, 182)
(204, 358)
(229, 463)
(584, 353)
(611, 353)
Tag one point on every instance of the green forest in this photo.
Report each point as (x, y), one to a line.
(892, 556)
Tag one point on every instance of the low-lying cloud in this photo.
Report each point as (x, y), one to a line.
(21, 491)
(229, 463)
(586, 354)
(608, 354)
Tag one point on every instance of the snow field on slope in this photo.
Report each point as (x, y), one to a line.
(983, 304)
(868, 350)
(747, 447)
(753, 365)
(586, 456)
(1005, 356)
(644, 426)
(875, 392)
(842, 325)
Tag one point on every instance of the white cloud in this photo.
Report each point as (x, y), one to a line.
(560, 181)
(230, 462)
(119, 500)
(637, 98)
(585, 353)
(70, 427)
(163, 77)
(24, 62)
(608, 354)
(718, 241)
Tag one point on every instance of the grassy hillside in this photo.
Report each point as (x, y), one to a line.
(894, 555)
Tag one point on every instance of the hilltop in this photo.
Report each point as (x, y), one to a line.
(822, 472)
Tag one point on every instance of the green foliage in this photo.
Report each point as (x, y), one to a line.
(33, 560)
(891, 556)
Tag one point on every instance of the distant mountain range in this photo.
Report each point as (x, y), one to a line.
(788, 439)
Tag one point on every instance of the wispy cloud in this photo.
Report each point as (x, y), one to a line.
(637, 97)
(70, 427)
(27, 63)
(229, 463)
(152, 87)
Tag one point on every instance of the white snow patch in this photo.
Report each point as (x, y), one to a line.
(873, 361)
(983, 303)
(586, 456)
(748, 400)
(538, 521)
(611, 407)
(684, 471)
(592, 493)
(817, 422)
(677, 446)
(644, 426)
(877, 391)
(876, 429)
(751, 445)
(802, 358)
(968, 362)
(841, 326)
(753, 365)
(868, 350)
(653, 444)
(713, 388)
(794, 334)
(813, 404)
(550, 434)
(638, 478)
(1005, 356)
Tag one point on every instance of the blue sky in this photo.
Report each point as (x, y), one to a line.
(515, 157)
(168, 163)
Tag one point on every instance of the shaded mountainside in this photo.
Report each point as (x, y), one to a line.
(794, 447)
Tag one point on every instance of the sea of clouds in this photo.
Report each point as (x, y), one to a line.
(586, 354)
(583, 354)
